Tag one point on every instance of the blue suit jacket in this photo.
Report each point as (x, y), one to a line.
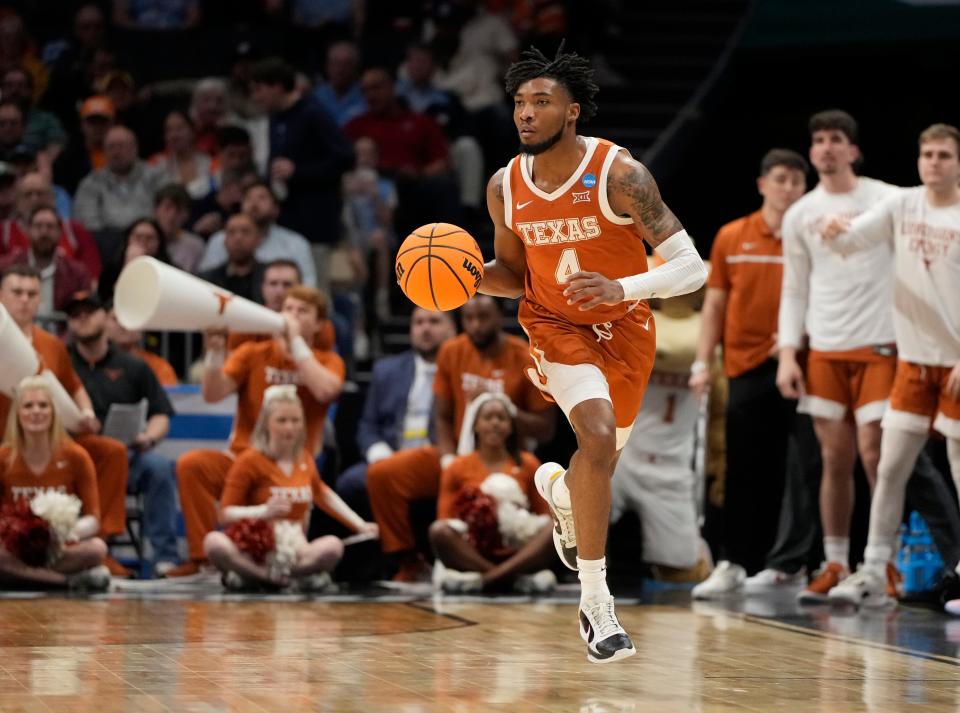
(386, 404)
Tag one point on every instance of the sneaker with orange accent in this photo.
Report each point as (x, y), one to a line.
(894, 582)
(828, 577)
(117, 569)
(188, 568)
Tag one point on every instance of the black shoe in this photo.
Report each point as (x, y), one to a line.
(600, 628)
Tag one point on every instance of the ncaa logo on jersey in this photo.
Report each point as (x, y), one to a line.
(589, 180)
(581, 197)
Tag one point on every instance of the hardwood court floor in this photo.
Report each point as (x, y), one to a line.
(116, 654)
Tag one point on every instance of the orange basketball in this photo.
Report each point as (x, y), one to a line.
(439, 266)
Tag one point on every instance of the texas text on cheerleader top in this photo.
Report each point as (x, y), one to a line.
(571, 229)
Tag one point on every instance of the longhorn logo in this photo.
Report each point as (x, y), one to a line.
(224, 299)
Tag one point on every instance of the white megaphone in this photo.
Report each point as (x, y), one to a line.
(153, 295)
(18, 360)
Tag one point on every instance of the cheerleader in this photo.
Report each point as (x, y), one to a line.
(485, 536)
(265, 506)
(47, 538)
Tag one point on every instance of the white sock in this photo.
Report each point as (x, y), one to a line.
(875, 557)
(593, 579)
(560, 493)
(837, 549)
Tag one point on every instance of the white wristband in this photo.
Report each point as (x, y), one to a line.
(214, 359)
(299, 349)
(378, 451)
(446, 460)
(698, 366)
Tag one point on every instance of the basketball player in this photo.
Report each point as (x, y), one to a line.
(923, 226)
(570, 213)
(248, 371)
(843, 306)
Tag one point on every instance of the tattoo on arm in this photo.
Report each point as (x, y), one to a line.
(498, 188)
(638, 190)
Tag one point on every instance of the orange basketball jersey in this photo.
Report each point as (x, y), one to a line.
(569, 230)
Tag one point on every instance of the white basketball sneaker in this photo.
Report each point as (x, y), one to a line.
(564, 536)
(600, 628)
(772, 579)
(727, 578)
(865, 587)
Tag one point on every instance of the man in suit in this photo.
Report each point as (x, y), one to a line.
(396, 414)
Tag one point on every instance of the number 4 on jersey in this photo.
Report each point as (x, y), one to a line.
(568, 265)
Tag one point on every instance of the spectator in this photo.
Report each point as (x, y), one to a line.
(34, 190)
(397, 411)
(247, 372)
(156, 15)
(32, 461)
(70, 73)
(97, 115)
(25, 162)
(260, 203)
(110, 198)
(308, 156)
(485, 358)
(42, 129)
(17, 50)
(11, 130)
(277, 479)
(171, 209)
(369, 201)
(130, 342)
(208, 112)
(235, 151)
(61, 276)
(20, 295)
(180, 161)
(413, 151)
(8, 192)
(207, 216)
(132, 110)
(341, 95)
(493, 448)
(242, 274)
(424, 97)
(114, 377)
(144, 236)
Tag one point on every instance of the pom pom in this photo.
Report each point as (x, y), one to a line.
(61, 511)
(253, 537)
(504, 489)
(289, 538)
(479, 511)
(517, 525)
(24, 535)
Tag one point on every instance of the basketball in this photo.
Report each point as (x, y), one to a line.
(439, 266)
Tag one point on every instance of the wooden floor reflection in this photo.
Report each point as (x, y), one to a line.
(130, 655)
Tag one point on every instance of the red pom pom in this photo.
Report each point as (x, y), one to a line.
(23, 534)
(479, 511)
(253, 537)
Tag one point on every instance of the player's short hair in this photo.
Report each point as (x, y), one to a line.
(783, 157)
(274, 71)
(175, 193)
(311, 295)
(284, 262)
(20, 269)
(568, 69)
(939, 132)
(835, 120)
